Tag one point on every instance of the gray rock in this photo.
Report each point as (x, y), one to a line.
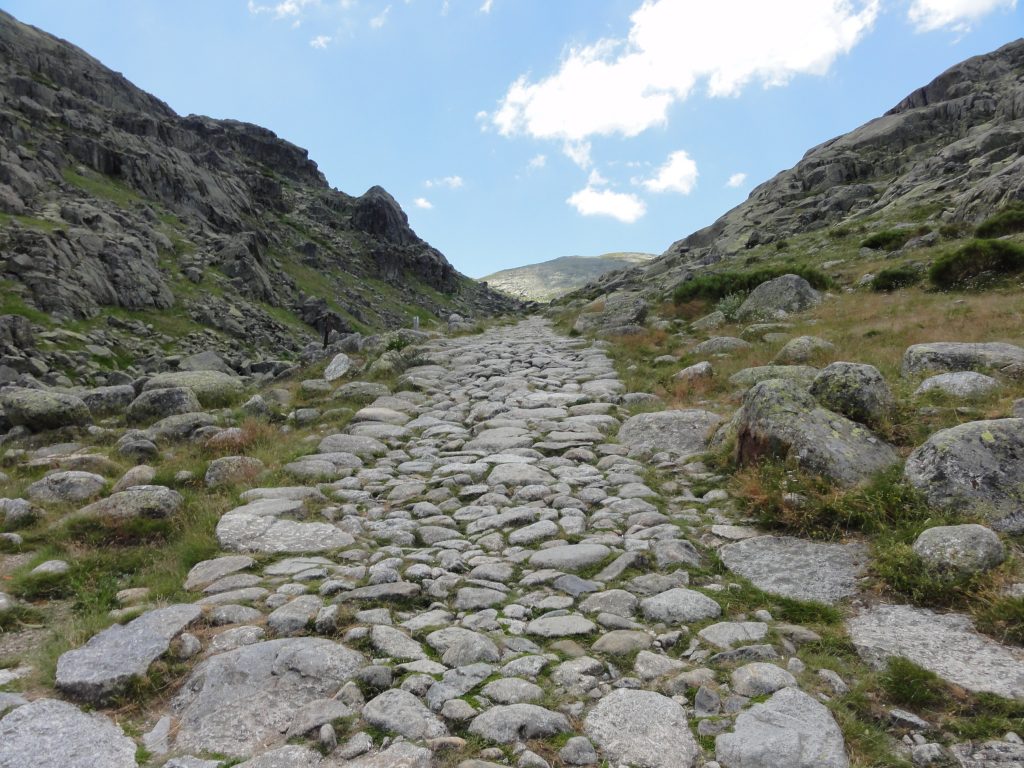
(53, 734)
(642, 728)
(778, 298)
(294, 617)
(578, 751)
(963, 385)
(39, 409)
(947, 356)
(803, 375)
(759, 678)
(363, 447)
(208, 360)
(721, 345)
(338, 367)
(233, 470)
(105, 665)
(571, 557)
(683, 433)
(66, 487)
(209, 571)
(965, 549)
(248, 529)
(108, 401)
(796, 568)
(147, 501)
(857, 391)
(790, 730)
(398, 711)
(946, 644)
(780, 419)
(293, 756)
(612, 312)
(161, 403)
(238, 701)
(803, 349)
(213, 388)
(679, 606)
(726, 634)
(505, 724)
(512, 690)
(395, 643)
(976, 468)
(560, 626)
(399, 755)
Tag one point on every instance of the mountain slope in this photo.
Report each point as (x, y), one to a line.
(550, 279)
(212, 231)
(950, 152)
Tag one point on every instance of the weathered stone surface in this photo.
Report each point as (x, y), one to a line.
(976, 468)
(571, 557)
(209, 571)
(779, 418)
(748, 377)
(963, 385)
(40, 409)
(790, 730)
(778, 298)
(803, 349)
(338, 367)
(679, 606)
(241, 700)
(211, 387)
(105, 665)
(54, 734)
(947, 356)
(161, 403)
(726, 634)
(796, 568)
(857, 391)
(946, 644)
(612, 312)
(66, 486)
(147, 501)
(684, 433)
(967, 548)
(508, 723)
(398, 711)
(641, 728)
(759, 678)
(721, 345)
(256, 527)
(399, 755)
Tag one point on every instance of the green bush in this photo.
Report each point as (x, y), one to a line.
(714, 286)
(975, 262)
(730, 305)
(887, 239)
(1006, 222)
(892, 278)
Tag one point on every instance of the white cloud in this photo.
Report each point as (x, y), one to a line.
(626, 86)
(929, 15)
(422, 202)
(736, 180)
(678, 174)
(538, 161)
(595, 179)
(283, 9)
(578, 152)
(320, 41)
(603, 202)
(380, 19)
(487, 6)
(451, 182)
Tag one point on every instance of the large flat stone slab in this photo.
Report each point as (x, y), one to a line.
(243, 532)
(54, 734)
(240, 702)
(104, 666)
(802, 570)
(946, 644)
(641, 728)
(683, 433)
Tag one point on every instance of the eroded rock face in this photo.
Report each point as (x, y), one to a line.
(240, 701)
(780, 419)
(977, 468)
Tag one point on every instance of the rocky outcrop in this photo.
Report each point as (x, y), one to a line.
(121, 203)
(956, 145)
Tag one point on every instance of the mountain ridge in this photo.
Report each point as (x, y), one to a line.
(548, 280)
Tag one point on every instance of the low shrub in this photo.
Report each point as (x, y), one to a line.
(887, 239)
(893, 278)
(714, 286)
(977, 262)
(730, 305)
(912, 686)
(1006, 222)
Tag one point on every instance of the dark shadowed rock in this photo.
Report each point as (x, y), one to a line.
(857, 391)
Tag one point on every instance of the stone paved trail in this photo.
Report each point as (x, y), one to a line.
(487, 563)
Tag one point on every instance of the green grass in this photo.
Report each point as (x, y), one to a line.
(11, 303)
(910, 685)
(1005, 222)
(31, 222)
(976, 263)
(103, 187)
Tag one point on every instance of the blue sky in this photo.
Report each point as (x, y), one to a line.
(516, 131)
